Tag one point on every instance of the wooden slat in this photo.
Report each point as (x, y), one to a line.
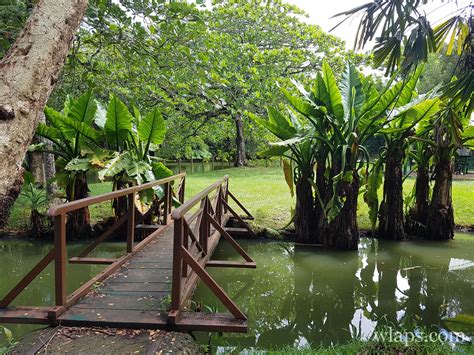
(26, 280)
(235, 264)
(25, 315)
(99, 261)
(211, 322)
(240, 204)
(148, 226)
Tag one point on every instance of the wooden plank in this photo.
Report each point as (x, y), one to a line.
(25, 315)
(124, 301)
(5, 302)
(236, 264)
(240, 204)
(136, 286)
(100, 261)
(211, 322)
(148, 226)
(113, 318)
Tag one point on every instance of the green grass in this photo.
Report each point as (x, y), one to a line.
(265, 194)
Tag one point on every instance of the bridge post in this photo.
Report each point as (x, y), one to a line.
(182, 190)
(166, 205)
(177, 270)
(60, 259)
(204, 227)
(131, 222)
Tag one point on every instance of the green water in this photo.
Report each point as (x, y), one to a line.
(300, 296)
(18, 257)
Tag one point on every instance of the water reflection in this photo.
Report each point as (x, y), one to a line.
(299, 296)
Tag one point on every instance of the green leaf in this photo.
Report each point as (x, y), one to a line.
(333, 91)
(160, 170)
(78, 164)
(281, 131)
(275, 151)
(152, 128)
(352, 92)
(84, 109)
(118, 123)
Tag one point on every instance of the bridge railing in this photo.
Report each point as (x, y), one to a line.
(58, 254)
(198, 225)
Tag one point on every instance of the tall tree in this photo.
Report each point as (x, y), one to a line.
(28, 73)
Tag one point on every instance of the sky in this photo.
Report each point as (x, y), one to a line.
(321, 11)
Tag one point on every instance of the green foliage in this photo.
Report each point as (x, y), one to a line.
(199, 66)
(10, 340)
(35, 198)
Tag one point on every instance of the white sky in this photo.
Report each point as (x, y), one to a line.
(321, 11)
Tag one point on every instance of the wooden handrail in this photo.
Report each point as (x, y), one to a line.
(85, 202)
(181, 211)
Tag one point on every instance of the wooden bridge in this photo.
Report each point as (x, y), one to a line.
(151, 284)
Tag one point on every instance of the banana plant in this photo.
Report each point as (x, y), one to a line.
(340, 120)
(408, 111)
(450, 130)
(299, 149)
(75, 143)
(132, 138)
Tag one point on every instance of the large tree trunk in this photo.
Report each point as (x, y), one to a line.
(305, 221)
(241, 155)
(441, 214)
(343, 231)
(419, 214)
(391, 218)
(78, 222)
(28, 73)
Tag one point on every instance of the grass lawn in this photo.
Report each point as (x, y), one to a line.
(265, 194)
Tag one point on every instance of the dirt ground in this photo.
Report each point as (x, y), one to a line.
(68, 340)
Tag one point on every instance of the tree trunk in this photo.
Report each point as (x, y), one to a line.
(391, 218)
(36, 166)
(78, 222)
(305, 221)
(343, 232)
(28, 73)
(419, 214)
(241, 155)
(441, 214)
(320, 200)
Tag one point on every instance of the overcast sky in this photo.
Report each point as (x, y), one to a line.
(321, 11)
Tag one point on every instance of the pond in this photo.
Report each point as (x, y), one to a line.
(300, 296)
